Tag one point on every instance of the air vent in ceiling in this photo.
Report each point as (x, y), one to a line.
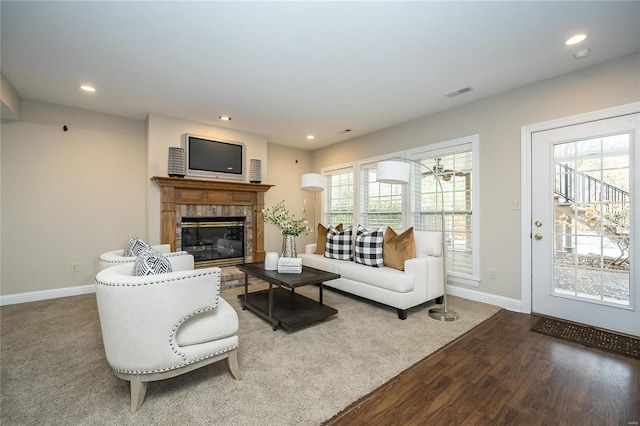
(459, 92)
(345, 131)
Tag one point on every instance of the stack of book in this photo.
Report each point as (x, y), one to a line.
(289, 265)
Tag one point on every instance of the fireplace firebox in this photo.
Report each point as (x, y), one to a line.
(214, 241)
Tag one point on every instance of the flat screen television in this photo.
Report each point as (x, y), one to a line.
(214, 159)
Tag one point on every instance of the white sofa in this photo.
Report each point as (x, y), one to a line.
(420, 282)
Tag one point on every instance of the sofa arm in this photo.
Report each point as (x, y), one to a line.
(310, 248)
(427, 273)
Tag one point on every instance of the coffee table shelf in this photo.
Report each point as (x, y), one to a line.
(290, 310)
(280, 304)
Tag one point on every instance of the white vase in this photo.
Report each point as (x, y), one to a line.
(271, 261)
(288, 246)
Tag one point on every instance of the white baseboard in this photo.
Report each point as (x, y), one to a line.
(465, 293)
(504, 302)
(34, 296)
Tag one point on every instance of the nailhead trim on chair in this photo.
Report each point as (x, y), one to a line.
(172, 343)
(155, 282)
(173, 367)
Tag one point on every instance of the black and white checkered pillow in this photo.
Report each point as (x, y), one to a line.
(151, 262)
(338, 244)
(134, 247)
(368, 248)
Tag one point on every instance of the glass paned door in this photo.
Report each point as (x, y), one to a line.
(583, 236)
(592, 207)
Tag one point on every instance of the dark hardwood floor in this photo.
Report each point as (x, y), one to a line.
(503, 373)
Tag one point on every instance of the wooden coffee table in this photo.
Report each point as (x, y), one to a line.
(282, 307)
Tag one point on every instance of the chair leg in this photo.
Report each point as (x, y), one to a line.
(138, 391)
(233, 364)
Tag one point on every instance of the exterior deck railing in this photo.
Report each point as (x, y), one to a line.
(575, 186)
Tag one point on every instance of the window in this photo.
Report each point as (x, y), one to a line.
(380, 203)
(453, 163)
(353, 196)
(339, 201)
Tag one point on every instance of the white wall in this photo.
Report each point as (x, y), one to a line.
(164, 132)
(101, 170)
(10, 100)
(67, 196)
(287, 166)
(498, 120)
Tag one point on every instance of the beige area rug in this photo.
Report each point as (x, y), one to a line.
(54, 370)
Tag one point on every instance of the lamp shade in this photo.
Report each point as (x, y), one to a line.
(393, 172)
(312, 182)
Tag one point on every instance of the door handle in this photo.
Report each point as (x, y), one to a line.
(538, 237)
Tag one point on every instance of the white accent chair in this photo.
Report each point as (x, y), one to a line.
(156, 327)
(115, 257)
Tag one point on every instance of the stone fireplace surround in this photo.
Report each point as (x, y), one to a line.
(181, 197)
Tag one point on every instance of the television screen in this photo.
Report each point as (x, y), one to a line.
(214, 158)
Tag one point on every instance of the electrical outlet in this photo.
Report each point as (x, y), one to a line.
(75, 267)
(492, 274)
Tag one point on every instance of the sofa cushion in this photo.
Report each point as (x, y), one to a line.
(398, 248)
(151, 262)
(210, 325)
(384, 278)
(368, 247)
(134, 247)
(321, 241)
(428, 243)
(338, 244)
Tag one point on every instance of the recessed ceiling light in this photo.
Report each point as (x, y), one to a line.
(582, 53)
(573, 40)
(310, 137)
(88, 88)
(225, 118)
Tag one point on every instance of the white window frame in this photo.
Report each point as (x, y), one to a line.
(327, 172)
(447, 148)
(366, 163)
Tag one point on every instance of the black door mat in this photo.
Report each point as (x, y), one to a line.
(589, 336)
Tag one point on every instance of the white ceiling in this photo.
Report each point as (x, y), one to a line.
(289, 69)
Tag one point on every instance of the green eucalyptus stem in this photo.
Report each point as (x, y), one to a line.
(288, 224)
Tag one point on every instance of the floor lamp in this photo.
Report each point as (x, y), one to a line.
(398, 172)
(313, 182)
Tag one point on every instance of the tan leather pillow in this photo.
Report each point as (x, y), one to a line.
(321, 241)
(398, 248)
